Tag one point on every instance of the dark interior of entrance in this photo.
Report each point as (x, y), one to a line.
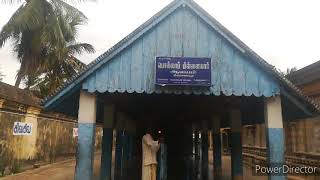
(183, 122)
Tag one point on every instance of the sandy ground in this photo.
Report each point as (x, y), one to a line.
(58, 171)
(65, 171)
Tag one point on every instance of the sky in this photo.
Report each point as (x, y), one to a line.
(285, 33)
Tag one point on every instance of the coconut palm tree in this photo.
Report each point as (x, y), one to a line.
(36, 28)
(45, 84)
(59, 63)
(56, 73)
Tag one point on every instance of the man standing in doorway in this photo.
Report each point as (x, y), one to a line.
(149, 157)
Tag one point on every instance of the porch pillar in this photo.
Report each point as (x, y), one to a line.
(162, 162)
(236, 145)
(196, 149)
(131, 133)
(216, 137)
(107, 139)
(126, 149)
(119, 157)
(86, 136)
(204, 151)
(274, 135)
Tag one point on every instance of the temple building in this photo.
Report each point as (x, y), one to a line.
(141, 82)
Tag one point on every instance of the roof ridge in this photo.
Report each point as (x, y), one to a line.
(305, 68)
(228, 35)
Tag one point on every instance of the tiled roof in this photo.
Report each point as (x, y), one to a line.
(15, 94)
(305, 75)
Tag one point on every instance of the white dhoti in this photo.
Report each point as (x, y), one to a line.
(149, 172)
(149, 157)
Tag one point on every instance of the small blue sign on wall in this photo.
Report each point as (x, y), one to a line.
(193, 71)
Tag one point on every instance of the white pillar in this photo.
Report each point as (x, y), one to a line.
(86, 135)
(274, 134)
(29, 149)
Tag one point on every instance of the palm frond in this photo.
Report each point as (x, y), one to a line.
(51, 31)
(44, 37)
(10, 28)
(67, 9)
(28, 16)
(68, 31)
(31, 15)
(75, 63)
(79, 48)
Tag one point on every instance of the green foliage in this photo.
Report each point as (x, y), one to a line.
(288, 71)
(60, 63)
(43, 34)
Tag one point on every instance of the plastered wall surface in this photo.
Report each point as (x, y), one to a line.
(51, 140)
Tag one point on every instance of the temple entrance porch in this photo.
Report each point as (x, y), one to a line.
(184, 121)
(184, 74)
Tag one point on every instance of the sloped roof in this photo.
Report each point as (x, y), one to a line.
(76, 81)
(306, 75)
(18, 95)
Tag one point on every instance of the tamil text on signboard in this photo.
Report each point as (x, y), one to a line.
(22, 129)
(193, 71)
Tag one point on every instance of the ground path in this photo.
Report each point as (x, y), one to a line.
(58, 171)
(64, 170)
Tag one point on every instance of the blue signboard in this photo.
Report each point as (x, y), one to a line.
(193, 71)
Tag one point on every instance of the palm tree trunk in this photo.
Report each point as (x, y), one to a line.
(21, 72)
(19, 77)
(18, 80)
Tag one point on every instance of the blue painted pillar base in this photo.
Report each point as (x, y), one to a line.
(84, 163)
(106, 156)
(275, 151)
(217, 160)
(205, 155)
(236, 156)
